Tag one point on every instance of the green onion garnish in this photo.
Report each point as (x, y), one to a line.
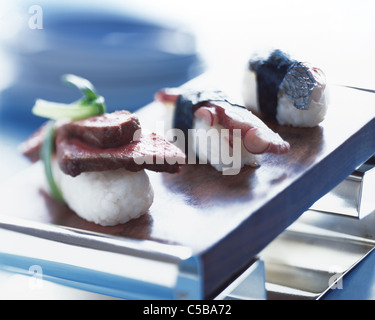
(46, 153)
(89, 105)
(74, 111)
(82, 84)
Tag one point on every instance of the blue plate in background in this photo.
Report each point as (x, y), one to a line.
(127, 58)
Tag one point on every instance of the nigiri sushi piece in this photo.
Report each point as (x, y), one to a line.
(292, 92)
(212, 110)
(99, 165)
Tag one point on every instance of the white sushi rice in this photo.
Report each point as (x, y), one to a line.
(106, 198)
(250, 91)
(219, 153)
(287, 113)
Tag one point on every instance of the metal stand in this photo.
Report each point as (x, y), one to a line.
(314, 254)
(355, 196)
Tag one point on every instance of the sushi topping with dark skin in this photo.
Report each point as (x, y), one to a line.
(215, 108)
(299, 81)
